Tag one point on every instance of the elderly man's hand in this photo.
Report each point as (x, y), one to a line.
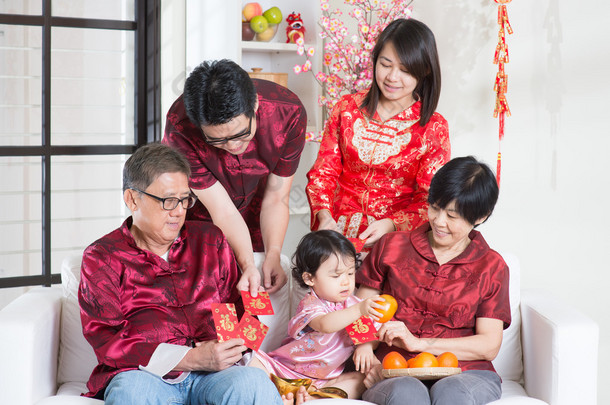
(274, 276)
(250, 280)
(213, 355)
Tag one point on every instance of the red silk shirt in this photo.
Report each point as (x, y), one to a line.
(276, 148)
(368, 170)
(132, 300)
(437, 301)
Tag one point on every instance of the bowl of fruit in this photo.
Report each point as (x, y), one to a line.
(258, 25)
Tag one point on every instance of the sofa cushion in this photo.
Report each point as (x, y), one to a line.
(509, 362)
(76, 356)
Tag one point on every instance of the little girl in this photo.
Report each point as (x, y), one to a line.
(318, 345)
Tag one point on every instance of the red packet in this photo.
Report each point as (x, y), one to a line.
(252, 331)
(259, 305)
(362, 330)
(225, 320)
(358, 243)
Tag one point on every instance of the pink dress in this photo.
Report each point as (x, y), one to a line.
(306, 353)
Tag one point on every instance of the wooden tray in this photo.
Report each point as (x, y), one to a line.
(422, 373)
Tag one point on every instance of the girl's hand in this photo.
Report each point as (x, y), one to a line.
(395, 333)
(364, 358)
(368, 307)
(373, 376)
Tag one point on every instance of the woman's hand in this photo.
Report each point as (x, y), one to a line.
(376, 230)
(326, 220)
(395, 333)
(373, 376)
(364, 358)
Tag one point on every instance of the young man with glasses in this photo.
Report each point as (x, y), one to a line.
(243, 138)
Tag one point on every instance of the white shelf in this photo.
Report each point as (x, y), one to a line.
(268, 46)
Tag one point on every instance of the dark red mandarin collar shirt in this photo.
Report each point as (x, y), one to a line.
(276, 148)
(132, 300)
(438, 301)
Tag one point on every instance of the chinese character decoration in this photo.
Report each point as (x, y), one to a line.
(501, 84)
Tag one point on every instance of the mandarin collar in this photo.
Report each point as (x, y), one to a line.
(476, 249)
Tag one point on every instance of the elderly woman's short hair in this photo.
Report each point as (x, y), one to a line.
(149, 162)
(468, 182)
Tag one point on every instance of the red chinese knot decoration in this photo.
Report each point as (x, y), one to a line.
(500, 58)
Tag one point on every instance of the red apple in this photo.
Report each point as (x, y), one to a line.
(246, 32)
(251, 10)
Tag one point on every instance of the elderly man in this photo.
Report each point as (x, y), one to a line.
(146, 291)
(243, 138)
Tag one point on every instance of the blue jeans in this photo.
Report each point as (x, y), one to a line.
(474, 387)
(235, 385)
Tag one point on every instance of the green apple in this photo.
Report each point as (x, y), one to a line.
(259, 23)
(273, 15)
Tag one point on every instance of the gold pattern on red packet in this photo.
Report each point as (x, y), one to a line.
(362, 331)
(252, 331)
(259, 305)
(225, 321)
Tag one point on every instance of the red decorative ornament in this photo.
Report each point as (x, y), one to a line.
(501, 84)
(295, 28)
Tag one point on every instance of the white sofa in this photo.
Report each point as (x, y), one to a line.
(46, 360)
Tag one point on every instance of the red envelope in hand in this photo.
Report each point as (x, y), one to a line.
(252, 331)
(362, 331)
(225, 320)
(259, 305)
(358, 243)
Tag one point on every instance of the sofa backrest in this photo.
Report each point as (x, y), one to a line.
(509, 362)
(76, 356)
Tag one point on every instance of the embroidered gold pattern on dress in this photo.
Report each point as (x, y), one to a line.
(378, 142)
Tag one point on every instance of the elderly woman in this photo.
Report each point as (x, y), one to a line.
(451, 288)
(146, 292)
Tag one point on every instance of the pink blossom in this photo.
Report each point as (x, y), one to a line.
(297, 69)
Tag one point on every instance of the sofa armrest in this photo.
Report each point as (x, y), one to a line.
(559, 350)
(29, 345)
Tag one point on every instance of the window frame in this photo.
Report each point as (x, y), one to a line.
(147, 109)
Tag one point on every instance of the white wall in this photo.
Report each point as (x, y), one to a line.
(554, 185)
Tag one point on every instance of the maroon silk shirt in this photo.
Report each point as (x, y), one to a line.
(438, 301)
(132, 300)
(276, 148)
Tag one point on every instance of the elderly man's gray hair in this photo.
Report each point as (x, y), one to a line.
(149, 162)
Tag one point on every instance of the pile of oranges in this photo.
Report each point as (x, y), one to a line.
(424, 359)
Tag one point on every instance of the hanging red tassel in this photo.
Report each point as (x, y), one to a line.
(501, 109)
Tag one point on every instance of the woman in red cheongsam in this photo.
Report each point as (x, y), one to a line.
(381, 147)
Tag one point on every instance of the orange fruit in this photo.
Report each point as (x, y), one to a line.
(447, 359)
(394, 360)
(387, 314)
(424, 359)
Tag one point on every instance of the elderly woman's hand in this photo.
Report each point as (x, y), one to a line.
(395, 333)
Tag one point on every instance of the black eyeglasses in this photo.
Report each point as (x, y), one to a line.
(223, 141)
(170, 203)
